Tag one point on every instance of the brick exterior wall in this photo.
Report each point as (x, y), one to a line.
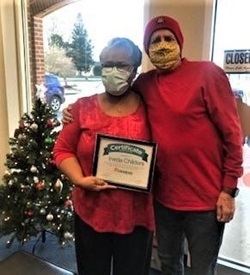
(38, 49)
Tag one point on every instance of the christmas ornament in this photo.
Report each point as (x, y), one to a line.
(29, 213)
(21, 125)
(42, 211)
(21, 137)
(34, 126)
(33, 169)
(35, 179)
(51, 162)
(50, 123)
(67, 235)
(41, 92)
(59, 186)
(48, 140)
(40, 185)
(10, 183)
(49, 217)
(69, 204)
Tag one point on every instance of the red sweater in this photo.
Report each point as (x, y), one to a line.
(193, 117)
(113, 210)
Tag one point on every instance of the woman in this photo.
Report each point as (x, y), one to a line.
(113, 227)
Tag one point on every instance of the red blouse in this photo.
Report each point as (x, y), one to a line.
(113, 210)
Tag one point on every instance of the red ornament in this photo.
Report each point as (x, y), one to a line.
(51, 162)
(49, 123)
(21, 126)
(69, 203)
(29, 213)
(40, 185)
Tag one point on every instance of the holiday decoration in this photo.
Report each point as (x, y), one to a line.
(35, 195)
(41, 92)
(34, 126)
(59, 186)
(50, 217)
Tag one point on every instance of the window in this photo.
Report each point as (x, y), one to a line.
(231, 24)
(119, 19)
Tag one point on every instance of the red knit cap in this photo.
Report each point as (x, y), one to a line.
(162, 22)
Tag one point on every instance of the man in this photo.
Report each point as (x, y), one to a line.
(194, 120)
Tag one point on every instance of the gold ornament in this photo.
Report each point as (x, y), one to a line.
(58, 185)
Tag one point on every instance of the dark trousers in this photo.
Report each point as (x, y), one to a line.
(204, 235)
(111, 253)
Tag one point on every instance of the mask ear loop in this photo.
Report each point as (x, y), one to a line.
(132, 76)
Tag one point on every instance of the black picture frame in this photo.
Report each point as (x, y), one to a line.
(125, 163)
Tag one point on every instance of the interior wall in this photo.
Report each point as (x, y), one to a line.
(195, 18)
(10, 75)
(3, 103)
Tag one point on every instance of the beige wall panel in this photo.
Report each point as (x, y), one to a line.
(10, 97)
(195, 18)
(3, 106)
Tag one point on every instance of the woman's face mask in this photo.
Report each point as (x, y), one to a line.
(115, 80)
(164, 55)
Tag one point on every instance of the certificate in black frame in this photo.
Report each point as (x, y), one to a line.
(125, 163)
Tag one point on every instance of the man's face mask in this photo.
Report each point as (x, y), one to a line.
(164, 55)
(115, 81)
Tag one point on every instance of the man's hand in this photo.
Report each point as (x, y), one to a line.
(67, 115)
(225, 207)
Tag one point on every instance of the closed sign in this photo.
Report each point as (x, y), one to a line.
(236, 61)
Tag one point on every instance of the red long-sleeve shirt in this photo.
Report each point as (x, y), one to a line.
(193, 117)
(113, 210)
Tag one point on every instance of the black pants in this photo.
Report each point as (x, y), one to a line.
(111, 253)
(204, 235)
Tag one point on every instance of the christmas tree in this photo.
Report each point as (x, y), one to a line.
(37, 196)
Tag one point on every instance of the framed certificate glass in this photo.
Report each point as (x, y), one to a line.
(125, 163)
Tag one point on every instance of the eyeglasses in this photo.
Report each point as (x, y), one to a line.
(120, 66)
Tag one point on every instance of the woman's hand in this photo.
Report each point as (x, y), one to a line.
(67, 115)
(92, 183)
(71, 167)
